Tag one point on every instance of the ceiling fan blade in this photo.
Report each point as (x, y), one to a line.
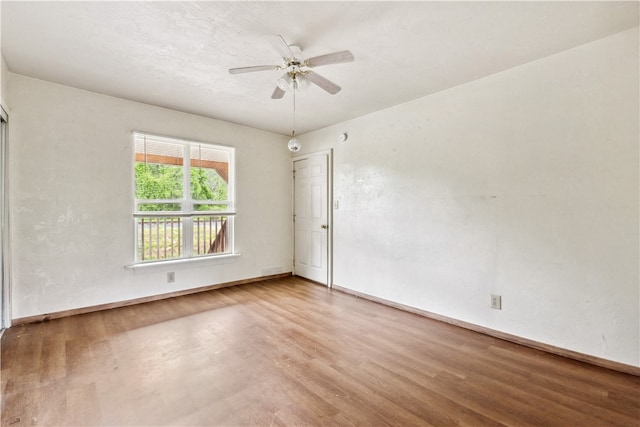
(281, 47)
(330, 58)
(277, 93)
(241, 70)
(323, 83)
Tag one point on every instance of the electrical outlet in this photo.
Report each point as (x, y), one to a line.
(171, 277)
(496, 302)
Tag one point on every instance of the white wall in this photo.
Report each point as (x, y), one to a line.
(4, 72)
(71, 198)
(3, 69)
(523, 184)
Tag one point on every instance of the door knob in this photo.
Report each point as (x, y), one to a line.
(324, 226)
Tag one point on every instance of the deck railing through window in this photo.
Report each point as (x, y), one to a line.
(161, 237)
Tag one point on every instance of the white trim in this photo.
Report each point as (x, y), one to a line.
(162, 214)
(293, 216)
(328, 152)
(172, 139)
(211, 259)
(330, 219)
(179, 201)
(5, 259)
(186, 205)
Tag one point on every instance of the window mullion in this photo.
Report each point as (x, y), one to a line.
(187, 203)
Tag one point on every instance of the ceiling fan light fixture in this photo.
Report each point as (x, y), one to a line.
(292, 81)
(301, 81)
(284, 83)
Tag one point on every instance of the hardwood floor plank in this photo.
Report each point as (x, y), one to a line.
(288, 352)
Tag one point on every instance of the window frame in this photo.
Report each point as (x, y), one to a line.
(186, 203)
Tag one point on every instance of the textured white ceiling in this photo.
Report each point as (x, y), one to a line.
(176, 54)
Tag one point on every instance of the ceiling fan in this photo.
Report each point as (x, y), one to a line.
(298, 73)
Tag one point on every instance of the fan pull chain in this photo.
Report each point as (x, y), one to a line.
(293, 134)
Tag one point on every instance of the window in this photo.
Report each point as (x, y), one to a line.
(183, 198)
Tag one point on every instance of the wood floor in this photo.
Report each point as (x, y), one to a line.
(288, 352)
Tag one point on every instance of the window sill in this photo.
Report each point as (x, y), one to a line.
(214, 259)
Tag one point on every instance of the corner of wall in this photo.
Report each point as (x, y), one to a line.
(3, 68)
(4, 76)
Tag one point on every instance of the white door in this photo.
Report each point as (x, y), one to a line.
(311, 212)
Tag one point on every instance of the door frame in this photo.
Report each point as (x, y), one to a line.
(329, 154)
(5, 241)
